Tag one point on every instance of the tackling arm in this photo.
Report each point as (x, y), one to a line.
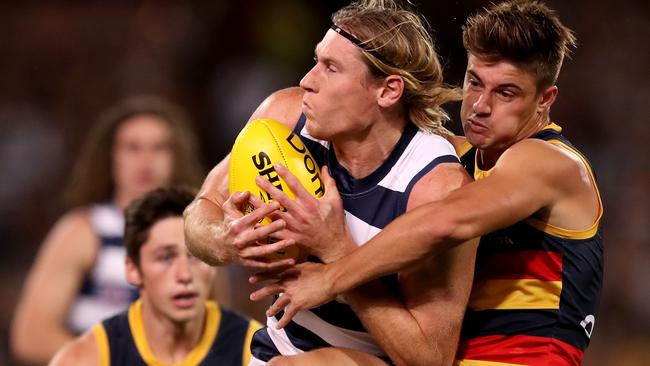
(434, 293)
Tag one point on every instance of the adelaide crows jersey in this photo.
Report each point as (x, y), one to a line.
(536, 287)
(225, 340)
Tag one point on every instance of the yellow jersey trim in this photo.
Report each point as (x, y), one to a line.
(569, 233)
(483, 363)
(544, 226)
(104, 351)
(253, 326)
(515, 294)
(463, 148)
(481, 174)
(210, 330)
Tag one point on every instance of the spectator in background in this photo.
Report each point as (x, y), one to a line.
(173, 322)
(77, 278)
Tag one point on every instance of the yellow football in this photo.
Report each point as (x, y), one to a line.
(261, 144)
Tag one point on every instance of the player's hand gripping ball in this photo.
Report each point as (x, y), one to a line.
(261, 144)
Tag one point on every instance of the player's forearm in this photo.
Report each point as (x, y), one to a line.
(203, 221)
(404, 243)
(393, 327)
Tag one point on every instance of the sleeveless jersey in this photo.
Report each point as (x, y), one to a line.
(370, 204)
(105, 291)
(536, 288)
(122, 340)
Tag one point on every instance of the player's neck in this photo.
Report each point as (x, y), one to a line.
(363, 154)
(123, 198)
(171, 341)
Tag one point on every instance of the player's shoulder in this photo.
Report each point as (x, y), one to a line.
(543, 153)
(284, 105)
(82, 351)
(73, 236)
(460, 144)
(543, 159)
(77, 219)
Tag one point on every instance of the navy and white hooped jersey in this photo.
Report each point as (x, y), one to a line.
(370, 204)
(104, 291)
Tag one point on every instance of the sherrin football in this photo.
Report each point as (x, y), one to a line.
(261, 144)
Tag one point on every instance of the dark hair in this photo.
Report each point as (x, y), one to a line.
(144, 212)
(92, 179)
(526, 33)
(396, 41)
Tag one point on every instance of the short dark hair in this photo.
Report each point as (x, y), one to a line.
(144, 212)
(524, 32)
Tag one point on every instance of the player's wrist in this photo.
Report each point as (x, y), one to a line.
(333, 279)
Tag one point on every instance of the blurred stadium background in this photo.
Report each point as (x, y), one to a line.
(62, 62)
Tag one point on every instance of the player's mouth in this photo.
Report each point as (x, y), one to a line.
(185, 299)
(305, 107)
(475, 126)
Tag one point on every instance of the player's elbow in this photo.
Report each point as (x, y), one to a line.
(424, 356)
(448, 232)
(198, 239)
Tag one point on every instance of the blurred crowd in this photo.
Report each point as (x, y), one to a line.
(62, 63)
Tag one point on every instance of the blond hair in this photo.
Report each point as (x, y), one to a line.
(396, 41)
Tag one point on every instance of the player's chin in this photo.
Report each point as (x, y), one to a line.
(315, 130)
(182, 315)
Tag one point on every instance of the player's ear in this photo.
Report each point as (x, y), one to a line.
(133, 275)
(548, 98)
(390, 91)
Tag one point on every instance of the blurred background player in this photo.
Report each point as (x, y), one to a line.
(77, 278)
(173, 322)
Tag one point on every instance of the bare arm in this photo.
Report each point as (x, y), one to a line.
(556, 189)
(83, 351)
(421, 327)
(532, 178)
(428, 314)
(67, 254)
(215, 228)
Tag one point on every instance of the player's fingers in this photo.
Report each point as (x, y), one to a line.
(261, 232)
(265, 291)
(278, 305)
(274, 274)
(289, 312)
(266, 265)
(259, 251)
(277, 194)
(259, 213)
(294, 184)
(239, 198)
(328, 181)
(256, 201)
(282, 235)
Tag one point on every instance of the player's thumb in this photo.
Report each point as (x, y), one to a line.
(328, 182)
(239, 198)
